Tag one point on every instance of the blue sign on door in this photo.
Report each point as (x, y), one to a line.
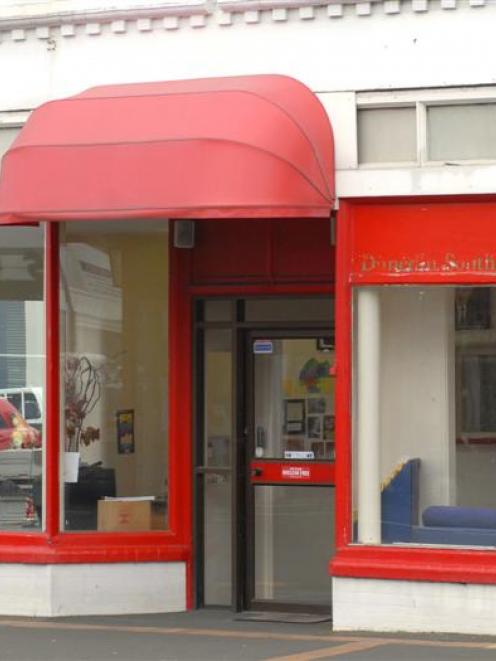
(263, 346)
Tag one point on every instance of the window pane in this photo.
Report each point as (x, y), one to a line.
(31, 407)
(7, 137)
(218, 310)
(294, 399)
(425, 449)
(387, 135)
(461, 132)
(22, 370)
(114, 316)
(293, 532)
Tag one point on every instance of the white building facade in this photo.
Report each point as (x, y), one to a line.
(410, 91)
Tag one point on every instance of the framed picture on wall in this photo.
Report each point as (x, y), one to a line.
(329, 423)
(316, 405)
(294, 416)
(318, 448)
(125, 431)
(314, 426)
(325, 344)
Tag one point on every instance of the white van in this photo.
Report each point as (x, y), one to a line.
(29, 403)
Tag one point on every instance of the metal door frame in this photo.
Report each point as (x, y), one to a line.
(241, 398)
(248, 587)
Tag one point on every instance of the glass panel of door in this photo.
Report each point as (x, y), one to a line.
(293, 398)
(293, 544)
(291, 495)
(216, 468)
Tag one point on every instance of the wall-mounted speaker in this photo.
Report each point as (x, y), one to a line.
(184, 234)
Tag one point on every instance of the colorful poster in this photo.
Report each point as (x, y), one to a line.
(125, 431)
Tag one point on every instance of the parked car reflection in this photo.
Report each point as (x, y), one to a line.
(15, 432)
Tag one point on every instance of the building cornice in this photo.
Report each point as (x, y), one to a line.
(34, 19)
(71, 18)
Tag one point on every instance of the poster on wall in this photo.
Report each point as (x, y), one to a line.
(316, 405)
(125, 431)
(294, 416)
(314, 426)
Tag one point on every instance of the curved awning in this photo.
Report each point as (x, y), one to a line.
(251, 146)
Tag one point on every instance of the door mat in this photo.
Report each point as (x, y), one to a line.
(286, 618)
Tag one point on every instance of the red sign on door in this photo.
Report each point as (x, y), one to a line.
(295, 472)
(279, 472)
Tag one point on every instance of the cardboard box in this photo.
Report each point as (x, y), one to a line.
(123, 515)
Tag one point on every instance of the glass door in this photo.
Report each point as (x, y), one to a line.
(214, 471)
(290, 470)
(263, 451)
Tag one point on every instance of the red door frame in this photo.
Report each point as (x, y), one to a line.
(392, 562)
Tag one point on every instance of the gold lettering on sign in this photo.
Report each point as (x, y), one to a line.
(369, 263)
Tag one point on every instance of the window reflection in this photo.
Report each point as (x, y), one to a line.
(435, 401)
(22, 368)
(114, 300)
(294, 398)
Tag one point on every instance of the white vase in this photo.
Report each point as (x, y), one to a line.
(71, 466)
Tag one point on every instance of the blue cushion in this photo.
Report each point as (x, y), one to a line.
(444, 516)
(453, 536)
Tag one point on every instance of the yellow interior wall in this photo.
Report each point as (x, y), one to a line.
(132, 352)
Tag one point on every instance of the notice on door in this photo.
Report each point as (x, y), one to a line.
(298, 454)
(295, 473)
(263, 346)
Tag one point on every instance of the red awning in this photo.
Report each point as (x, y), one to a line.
(253, 146)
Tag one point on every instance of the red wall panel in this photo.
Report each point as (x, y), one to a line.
(230, 250)
(302, 250)
(262, 251)
(422, 242)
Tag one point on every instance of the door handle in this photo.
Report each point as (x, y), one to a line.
(256, 472)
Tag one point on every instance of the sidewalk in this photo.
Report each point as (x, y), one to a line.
(213, 635)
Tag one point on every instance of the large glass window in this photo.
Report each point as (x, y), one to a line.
(424, 415)
(114, 373)
(22, 370)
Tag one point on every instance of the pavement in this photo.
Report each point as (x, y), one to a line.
(214, 635)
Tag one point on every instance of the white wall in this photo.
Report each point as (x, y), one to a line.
(384, 47)
(414, 606)
(417, 387)
(336, 50)
(98, 589)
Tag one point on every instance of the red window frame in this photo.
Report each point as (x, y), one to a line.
(393, 562)
(55, 546)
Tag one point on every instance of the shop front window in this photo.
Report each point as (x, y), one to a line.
(22, 371)
(424, 436)
(114, 287)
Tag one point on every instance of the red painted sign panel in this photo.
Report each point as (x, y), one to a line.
(424, 242)
(298, 472)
